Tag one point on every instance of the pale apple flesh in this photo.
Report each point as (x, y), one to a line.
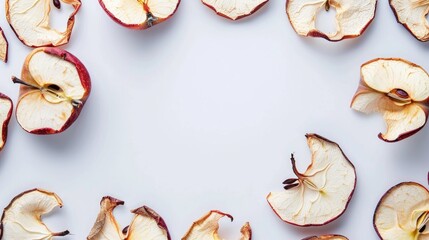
(54, 87)
(206, 228)
(146, 224)
(412, 14)
(6, 107)
(139, 14)
(30, 21)
(326, 237)
(403, 213)
(235, 10)
(3, 46)
(397, 89)
(22, 217)
(352, 17)
(322, 193)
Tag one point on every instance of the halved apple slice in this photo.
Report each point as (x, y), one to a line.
(326, 237)
(139, 14)
(234, 10)
(399, 90)
(22, 217)
(403, 213)
(3, 46)
(322, 193)
(55, 87)
(412, 15)
(30, 21)
(206, 228)
(6, 107)
(146, 224)
(352, 17)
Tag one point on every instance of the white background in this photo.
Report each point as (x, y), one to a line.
(202, 113)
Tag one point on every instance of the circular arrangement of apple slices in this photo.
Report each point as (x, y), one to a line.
(146, 224)
(54, 88)
(399, 90)
(352, 17)
(3, 46)
(139, 14)
(322, 193)
(206, 228)
(234, 10)
(22, 217)
(326, 237)
(403, 213)
(412, 14)
(30, 21)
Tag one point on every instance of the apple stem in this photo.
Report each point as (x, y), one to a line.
(17, 80)
(150, 19)
(295, 170)
(61, 234)
(327, 6)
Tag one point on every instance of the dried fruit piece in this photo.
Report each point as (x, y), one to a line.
(322, 193)
(55, 87)
(139, 14)
(6, 107)
(326, 237)
(412, 15)
(146, 224)
(206, 228)
(352, 17)
(234, 10)
(30, 21)
(3, 46)
(399, 90)
(403, 213)
(22, 217)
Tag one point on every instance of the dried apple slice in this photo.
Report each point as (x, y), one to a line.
(206, 228)
(326, 237)
(399, 90)
(352, 17)
(412, 15)
(403, 213)
(234, 10)
(6, 107)
(3, 46)
(22, 217)
(55, 87)
(322, 193)
(146, 224)
(139, 14)
(29, 19)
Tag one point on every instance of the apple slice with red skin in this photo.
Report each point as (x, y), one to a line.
(4, 45)
(399, 90)
(234, 10)
(139, 14)
(403, 213)
(322, 193)
(30, 21)
(6, 107)
(206, 228)
(352, 17)
(326, 237)
(21, 219)
(146, 224)
(55, 87)
(412, 15)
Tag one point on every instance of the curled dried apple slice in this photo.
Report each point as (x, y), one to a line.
(320, 194)
(3, 46)
(326, 237)
(146, 224)
(30, 21)
(206, 228)
(403, 213)
(234, 10)
(139, 14)
(399, 90)
(412, 15)
(54, 88)
(22, 217)
(352, 17)
(6, 107)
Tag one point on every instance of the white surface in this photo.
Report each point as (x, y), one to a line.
(202, 113)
